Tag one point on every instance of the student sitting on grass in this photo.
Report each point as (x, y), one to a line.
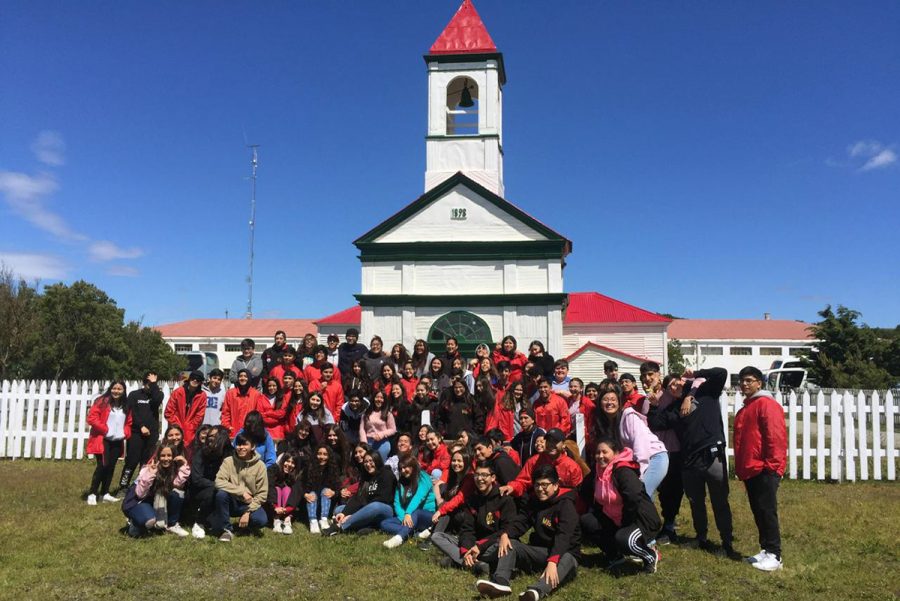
(255, 431)
(318, 485)
(569, 473)
(282, 477)
(175, 437)
(434, 458)
(553, 549)
(413, 504)
(373, 501)
(205, 464)
(241, 489)
(155, 499)
(622, 519)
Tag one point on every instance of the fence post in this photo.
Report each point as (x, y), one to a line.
(820, 435)
(861, 439)
(835, 435)
(849, 436)
(723, 408)
(792, 434)
(807, 437)
(4, 409)
(889, 412)
(61, 420)
(15, 421)
(876, 435)
(39, 427)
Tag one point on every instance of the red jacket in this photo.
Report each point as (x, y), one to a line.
(236, 407)
(760, 437)
(441, 461)
(332, 397)
(96, 419)
(275, 420)
(586, 407)
(179, 414)
(570, 475)
(409, 387)
(554, 413)
(516, 364)
(278, 373)
(633, 400)
(313, 373)
(501, 418)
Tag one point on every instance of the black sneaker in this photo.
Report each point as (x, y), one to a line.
(730, 553)
(704, 545)
(332, 530)
(491, 589)
(364, 531)
(424, 545)
(531, 594)
(446, 563)
(481, 569)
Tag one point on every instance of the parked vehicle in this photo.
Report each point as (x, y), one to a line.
(201, 361)
(786, 379)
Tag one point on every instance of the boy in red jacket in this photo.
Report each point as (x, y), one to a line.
(760, 456)
(187, 406)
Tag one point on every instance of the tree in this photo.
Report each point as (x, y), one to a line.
(848, 355)
(675, 357)
(148, 351)
(18, 321)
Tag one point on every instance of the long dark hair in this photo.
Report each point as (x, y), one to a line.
(341, 449)
(218, 445)
(196, 444)
(403, 358)
(411, 485)
(107, 395)
(454, 479)
(419, 359)
(180, 445)
(321, 475)
(385, 408)
(318, 413)
(280, 478)
(164, 482)
(449, 397)
(486, 398)
(254, 429)
(428, 454)
(604, 427)
(509, 399)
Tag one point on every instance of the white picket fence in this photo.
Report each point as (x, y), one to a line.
(849, 435)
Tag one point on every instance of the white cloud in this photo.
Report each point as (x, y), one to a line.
(882, 159)
(104, 250)
(125, 271)
(25, 194)
(34, 266)
(50, 148)
(874, 154)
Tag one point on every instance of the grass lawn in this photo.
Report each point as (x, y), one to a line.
(840, 542)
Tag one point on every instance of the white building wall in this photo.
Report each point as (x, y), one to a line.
(589, 365)
(484, 221)
(531, 276)
(698, 354)
(643, 340)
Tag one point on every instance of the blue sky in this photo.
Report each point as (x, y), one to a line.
(710, 160)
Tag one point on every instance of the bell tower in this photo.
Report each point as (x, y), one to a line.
(465, 104)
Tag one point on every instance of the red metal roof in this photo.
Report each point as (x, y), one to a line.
(236, 328)
(593, 307)
(465, 34)
(739, 329)
(607, 349)
(347, 317)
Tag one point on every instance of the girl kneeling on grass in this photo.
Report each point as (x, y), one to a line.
(623, 518)
(318, 485)
(372, 503)
(413, 504)
(156, 498)
(282, 477)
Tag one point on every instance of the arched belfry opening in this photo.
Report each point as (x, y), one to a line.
(462, 107)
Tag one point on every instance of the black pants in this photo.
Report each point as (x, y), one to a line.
(138, 451)
(671, 490)
(762, 492)
(198, 505)
(529, 558)
(627, 539)
(106, 466)
(696, 481)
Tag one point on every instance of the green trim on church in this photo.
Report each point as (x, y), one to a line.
(467, 300)
(379, 252)
(445, 187)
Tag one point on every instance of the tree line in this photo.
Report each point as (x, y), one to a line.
(74, 332)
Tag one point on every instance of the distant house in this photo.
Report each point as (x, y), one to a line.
(737, 343)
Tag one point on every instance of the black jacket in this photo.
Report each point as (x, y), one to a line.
(637, 508)
(523, 443)
(144, 407)
(504, 467)
(204, 470)
(347, 354)
(483, 518)
(272, 496)
(544, 363)
(378, 489)
(701, 433)
(555, 522)
(455, 415)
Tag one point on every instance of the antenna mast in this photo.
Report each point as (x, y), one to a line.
(254, 162)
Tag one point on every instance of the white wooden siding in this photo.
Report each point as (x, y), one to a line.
(641, 340)
(484, 221)
(589, 365)
(381, 278)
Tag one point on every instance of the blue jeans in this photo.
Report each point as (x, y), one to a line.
(143, 512)
(383, 447)
(228, 506)
(368, 516)
(421, 520)
(655, 472)
(321, 507)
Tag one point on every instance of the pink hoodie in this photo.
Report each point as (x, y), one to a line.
(636, 434)
(145, 479)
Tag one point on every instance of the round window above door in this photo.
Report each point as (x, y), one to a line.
(468, 329)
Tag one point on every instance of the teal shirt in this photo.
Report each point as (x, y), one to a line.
(423, 499)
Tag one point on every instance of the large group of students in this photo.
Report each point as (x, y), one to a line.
(464, 456)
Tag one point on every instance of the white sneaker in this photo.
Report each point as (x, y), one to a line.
(491, 589)
(198, 532)
(287, 528)
(393, 542)
(92, 499)
(276, 526)
(177, 530)
(424, 534)
(759, 556)
(769, 563)
(324, 524)
(314, 527)
(108, 498)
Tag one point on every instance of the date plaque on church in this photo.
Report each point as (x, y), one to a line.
(458, 214)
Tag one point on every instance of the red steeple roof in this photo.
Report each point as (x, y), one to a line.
(464, 34)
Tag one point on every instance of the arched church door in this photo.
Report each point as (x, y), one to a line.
(469, 329)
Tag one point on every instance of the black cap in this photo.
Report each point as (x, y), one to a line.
(352, 332)
(553, 437)
(627, 376)
(196, 375)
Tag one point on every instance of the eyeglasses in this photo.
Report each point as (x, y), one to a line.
(543, 485)
(749, 380)
(482, 476)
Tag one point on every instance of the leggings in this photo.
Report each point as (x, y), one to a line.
(106, 465)
(138, 451)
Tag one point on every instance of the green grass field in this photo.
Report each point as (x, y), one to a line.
(840, 542)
